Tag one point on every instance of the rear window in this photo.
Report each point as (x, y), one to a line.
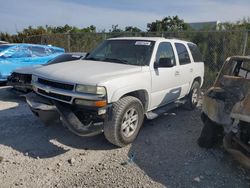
(195, 52)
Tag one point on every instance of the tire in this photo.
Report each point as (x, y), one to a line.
(123, 127)
(193, 96)
(211, 134)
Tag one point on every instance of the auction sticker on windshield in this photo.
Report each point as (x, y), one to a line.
(145, 43)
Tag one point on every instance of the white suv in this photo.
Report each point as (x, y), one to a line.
(117, 84)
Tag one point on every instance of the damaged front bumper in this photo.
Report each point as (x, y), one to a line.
(21, 82)
(81, 121)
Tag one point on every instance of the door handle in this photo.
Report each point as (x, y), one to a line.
(177, 73)
(191, 70)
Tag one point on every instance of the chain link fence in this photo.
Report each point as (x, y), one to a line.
(215, 46)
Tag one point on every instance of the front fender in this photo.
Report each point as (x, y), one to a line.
(117, 94)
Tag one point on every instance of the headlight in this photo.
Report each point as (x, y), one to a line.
(91, 89)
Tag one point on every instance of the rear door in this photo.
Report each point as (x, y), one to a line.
(185, 68)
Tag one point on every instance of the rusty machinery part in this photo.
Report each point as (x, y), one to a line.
(235, 147)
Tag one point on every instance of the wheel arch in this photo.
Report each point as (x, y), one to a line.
(198, 79)
(140, 94)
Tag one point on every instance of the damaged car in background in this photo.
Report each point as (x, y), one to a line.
(117, 85)
(13, 56)
(20, 78)
(226, 110)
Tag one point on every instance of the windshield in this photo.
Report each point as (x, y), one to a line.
(4, 47)
(132, 52)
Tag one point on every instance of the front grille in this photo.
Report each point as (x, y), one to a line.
(55, 95)
(18, 77)
(56, 84)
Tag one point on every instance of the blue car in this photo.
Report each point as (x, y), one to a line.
(14, 56)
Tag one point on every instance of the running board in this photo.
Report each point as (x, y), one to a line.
(161, 110)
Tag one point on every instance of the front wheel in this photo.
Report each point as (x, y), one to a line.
(126, 121)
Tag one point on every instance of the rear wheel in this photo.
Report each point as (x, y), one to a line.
(126, 121)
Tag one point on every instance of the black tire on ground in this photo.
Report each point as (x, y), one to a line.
(121, 109)
(195, 90)
(211, 134)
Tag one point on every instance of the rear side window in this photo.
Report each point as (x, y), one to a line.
(195, 52)
(182, 54)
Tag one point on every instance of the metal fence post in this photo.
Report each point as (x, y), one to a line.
(69, 50)
(41, 39)
(245, 43)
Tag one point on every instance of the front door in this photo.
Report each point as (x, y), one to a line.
(164, 86)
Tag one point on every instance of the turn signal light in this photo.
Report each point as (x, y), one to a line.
(83, 102)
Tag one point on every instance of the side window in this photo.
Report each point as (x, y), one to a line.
(195, 52)
(182, 54)
(37, 51)
(244, 70)
(165, 50)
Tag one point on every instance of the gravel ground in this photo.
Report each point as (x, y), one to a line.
(165, 154)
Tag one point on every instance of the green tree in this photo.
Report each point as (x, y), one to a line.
(115, 29)
(132, 29)
(167, 24)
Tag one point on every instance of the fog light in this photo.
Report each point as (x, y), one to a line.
(102, 111)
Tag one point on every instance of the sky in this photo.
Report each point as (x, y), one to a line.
(18, 14)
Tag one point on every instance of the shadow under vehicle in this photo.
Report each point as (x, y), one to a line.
(226, 110)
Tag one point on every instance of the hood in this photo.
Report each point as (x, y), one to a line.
(85, 71)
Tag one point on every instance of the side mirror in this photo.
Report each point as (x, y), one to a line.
(164, 62)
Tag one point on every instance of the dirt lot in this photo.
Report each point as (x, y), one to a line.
(164, 155)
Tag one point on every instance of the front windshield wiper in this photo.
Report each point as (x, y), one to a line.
(116, 60)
